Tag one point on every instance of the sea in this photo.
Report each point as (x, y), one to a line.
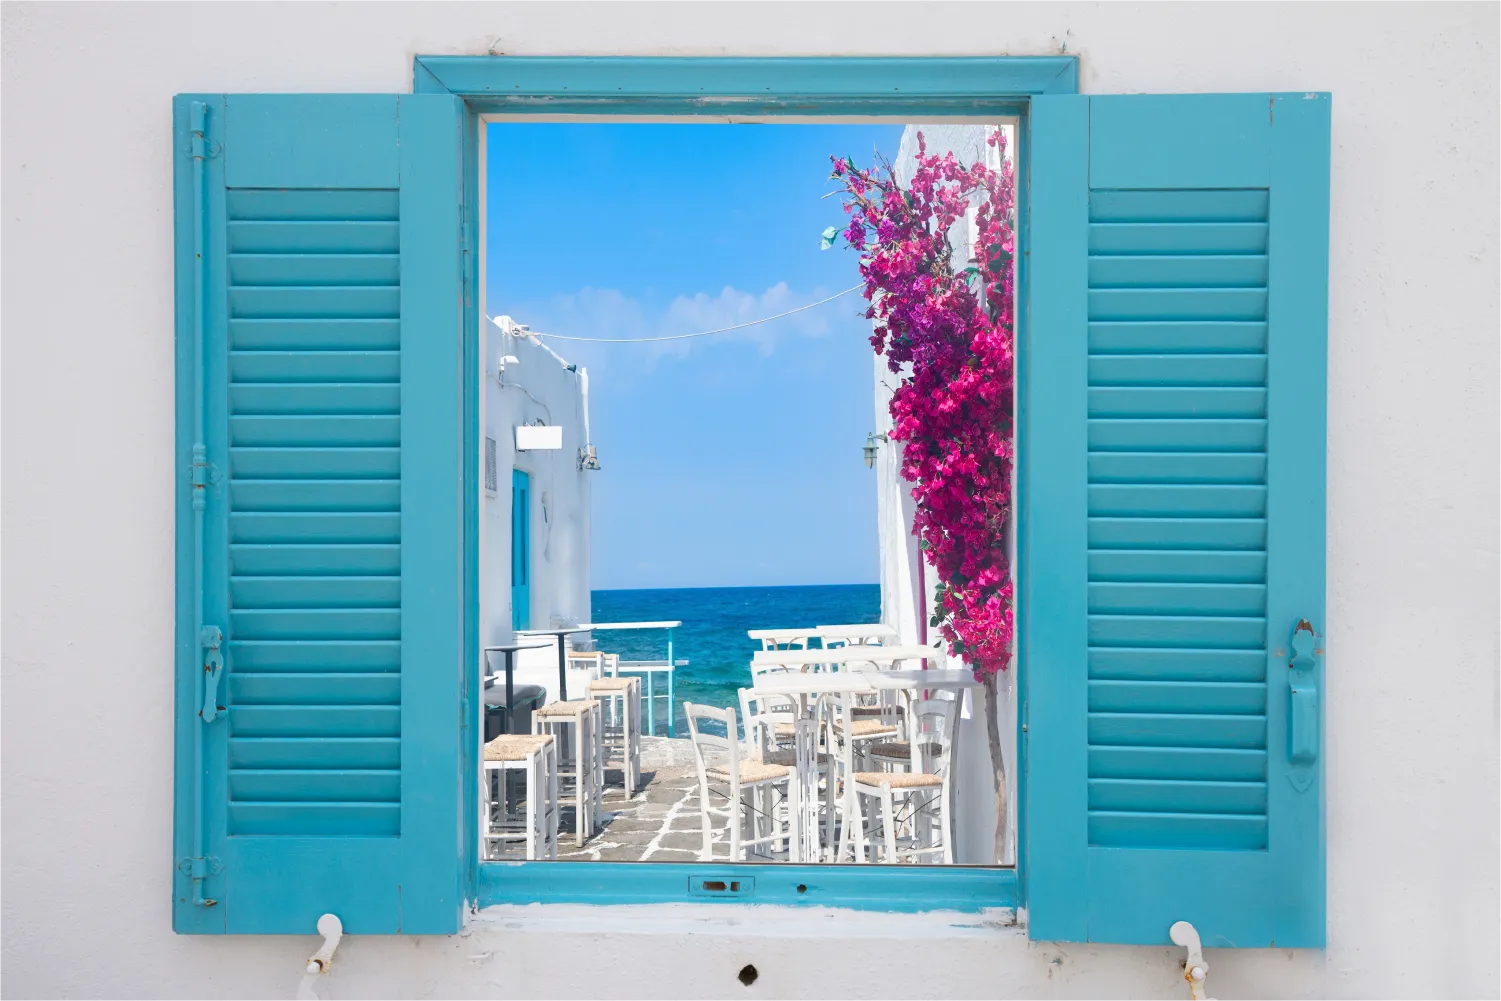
(713, 635)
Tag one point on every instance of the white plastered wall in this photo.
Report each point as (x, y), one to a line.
(536, 385)
(87, 572)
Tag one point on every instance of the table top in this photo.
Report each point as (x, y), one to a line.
(512, 647)
(862, 681)
(823, 632)
(847, 655)
(559, 631)
(633, 625)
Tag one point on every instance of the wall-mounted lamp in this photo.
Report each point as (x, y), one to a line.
(870, 449)
(587, 458)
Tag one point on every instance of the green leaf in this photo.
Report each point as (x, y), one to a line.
(828, 237)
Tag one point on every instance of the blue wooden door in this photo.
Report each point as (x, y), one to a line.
(521, 550)
(320, 333)
(1174, 503)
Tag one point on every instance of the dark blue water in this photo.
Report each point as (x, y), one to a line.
(713, 634)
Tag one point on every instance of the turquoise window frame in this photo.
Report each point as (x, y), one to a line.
(911, 89)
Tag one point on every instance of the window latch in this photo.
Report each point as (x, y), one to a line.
(1302, 706)
(210, 639)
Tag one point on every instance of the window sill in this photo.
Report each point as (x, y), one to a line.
(899, 890)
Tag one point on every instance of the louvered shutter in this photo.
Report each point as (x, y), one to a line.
(320, 296)
(1174, 506)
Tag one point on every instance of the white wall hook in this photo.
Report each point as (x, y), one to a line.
(332, 930)
(1194, 968)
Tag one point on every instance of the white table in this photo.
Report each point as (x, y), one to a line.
(771, 638)
(840, 656)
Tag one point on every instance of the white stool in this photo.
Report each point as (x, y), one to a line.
(581, 772)
(620, 699)
(536, 757)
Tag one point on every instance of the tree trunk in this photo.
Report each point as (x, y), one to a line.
(993, 733)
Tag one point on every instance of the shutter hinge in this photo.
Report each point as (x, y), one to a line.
(201, 148)
(210, 639)
(199, 869)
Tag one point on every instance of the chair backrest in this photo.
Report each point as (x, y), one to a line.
(762, 713)
(708, 748)
(931, 728)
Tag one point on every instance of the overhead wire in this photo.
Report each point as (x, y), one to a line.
(680, 337)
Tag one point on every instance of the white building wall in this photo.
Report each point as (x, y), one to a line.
(87, 506)
(538, 385)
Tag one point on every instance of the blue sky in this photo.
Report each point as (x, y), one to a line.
(727, 460)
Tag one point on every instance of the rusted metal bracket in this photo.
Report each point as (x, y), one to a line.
(1195, 970)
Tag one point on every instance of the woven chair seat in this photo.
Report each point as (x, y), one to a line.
(515, 746)
(788, 758)
(752, 770)
(902, 750)
(898, 780)
(574, 707)
(613, 684)
(866, 711)
(869, 728)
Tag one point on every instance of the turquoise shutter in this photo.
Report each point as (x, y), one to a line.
(319, 347)
(1174, 497)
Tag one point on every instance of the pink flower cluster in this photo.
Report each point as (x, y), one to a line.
(953, 321)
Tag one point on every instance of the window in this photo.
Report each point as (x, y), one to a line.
(492, 474)
(1171, 536)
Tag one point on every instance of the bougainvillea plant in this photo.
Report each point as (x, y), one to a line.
(950, 323)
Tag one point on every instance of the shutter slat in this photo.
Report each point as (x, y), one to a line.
(322, 367)
(348, 820)
(1156, 598)
(349, 302)
(343, 527)
(1177, 533)
(341, 237)
(316, 495)
(315, 399)
(1178, 730)
(1153, 500)
(302, 592)
(1180, 205)
(273, 560)
(1178, 303)
(312, 688)
(1178, 238)
(326, 432)
(1177, 467)
(1185, 763)
(1231, 633)
(1169, 796)
(1176, 664)
(1229, 567)
(1162, 401)
(315, 752)
(316, 623)
(1233, 698)
(1213, 369)
(1229, 271)
(310, 721)
(314, 463)
(1172, 337)
(322, 204)
(315, 335)
(1224, 832)
(314, 269)
(1107, 435)
(306, 785)
(315, 655)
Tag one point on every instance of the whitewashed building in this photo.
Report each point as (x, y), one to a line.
(94, 723)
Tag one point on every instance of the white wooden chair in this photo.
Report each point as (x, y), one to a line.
(577, 727)
(620, 726)
(912, 810)
(748, 788)
(847, 739)
(536, 825)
